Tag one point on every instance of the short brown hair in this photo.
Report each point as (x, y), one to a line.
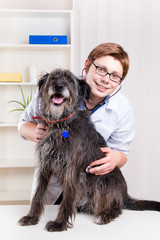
(111, 49)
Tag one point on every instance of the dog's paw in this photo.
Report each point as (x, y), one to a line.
(103, 219)
(28, 220)
(54, 226)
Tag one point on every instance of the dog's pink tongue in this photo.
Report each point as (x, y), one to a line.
(58, 100)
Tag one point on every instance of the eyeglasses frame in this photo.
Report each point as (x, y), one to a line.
(96, 66)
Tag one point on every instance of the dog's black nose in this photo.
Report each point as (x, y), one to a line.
(58, 87)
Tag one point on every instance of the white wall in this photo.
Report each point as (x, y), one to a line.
(142, 88)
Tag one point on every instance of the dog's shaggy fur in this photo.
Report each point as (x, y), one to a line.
(67, 158)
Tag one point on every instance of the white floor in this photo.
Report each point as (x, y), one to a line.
(131, 225)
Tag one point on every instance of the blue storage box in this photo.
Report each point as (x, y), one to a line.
(47, 39)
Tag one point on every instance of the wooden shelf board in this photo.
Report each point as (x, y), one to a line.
(19, 163)
(8, 124)
(17, 83)
(34, 46)
(33, 13)
(14, 195)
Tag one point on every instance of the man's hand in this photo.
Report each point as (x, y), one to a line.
(33, 132)
(109, 162)
(40, 131)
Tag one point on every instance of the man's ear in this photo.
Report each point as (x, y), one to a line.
(86, 65)
(83, 89)
(42, 80)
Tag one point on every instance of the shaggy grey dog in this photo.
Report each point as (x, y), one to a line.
(70, 145)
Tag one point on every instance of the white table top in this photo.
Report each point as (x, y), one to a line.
(130, 225)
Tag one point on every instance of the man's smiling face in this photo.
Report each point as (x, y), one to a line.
(102, 86)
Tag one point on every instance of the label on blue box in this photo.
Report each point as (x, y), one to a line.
(47, 39)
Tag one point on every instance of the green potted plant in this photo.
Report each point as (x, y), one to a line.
(24, 103)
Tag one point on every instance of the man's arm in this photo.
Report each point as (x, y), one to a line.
(32, 131)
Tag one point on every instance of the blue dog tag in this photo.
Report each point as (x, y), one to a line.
(65, 134)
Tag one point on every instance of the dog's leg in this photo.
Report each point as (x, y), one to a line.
(108, 202)
(108, 215)
(67, 208)
(36, 209)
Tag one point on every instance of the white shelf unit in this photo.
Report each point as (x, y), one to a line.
(17, 55)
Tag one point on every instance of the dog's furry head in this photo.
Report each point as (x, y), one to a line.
(61, 93)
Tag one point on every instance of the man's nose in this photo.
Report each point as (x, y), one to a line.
(106, 78)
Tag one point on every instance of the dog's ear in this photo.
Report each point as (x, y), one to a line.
(84, 89)
(42, 80)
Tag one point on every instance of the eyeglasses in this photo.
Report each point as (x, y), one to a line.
(103, 72)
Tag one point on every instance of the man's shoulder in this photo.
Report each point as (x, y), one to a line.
(120, 104)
